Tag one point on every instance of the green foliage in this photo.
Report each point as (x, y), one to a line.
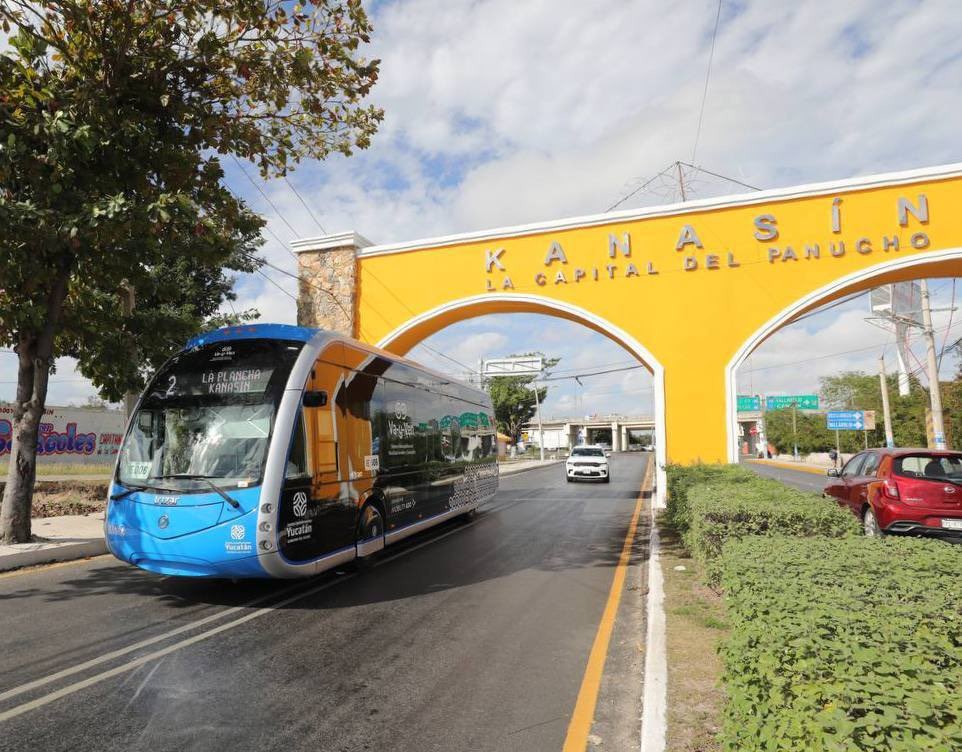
(854, 390)
(849, 644)
(722, 510)
(513, 398)
(113, 120)
(681, 478)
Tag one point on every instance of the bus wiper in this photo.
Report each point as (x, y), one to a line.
(126, 492)
(207, 479)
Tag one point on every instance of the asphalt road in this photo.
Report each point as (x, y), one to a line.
(474, 636)
(795, 478)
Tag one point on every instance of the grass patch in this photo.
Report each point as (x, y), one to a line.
(696, 624)
(58, 498)
(74, 469)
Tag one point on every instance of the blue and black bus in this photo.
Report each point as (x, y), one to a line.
(281, 451)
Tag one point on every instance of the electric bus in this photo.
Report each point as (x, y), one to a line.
(281, 451)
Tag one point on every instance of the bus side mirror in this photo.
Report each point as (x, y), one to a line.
(315, 399)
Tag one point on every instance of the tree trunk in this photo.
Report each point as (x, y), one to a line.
(35, 355)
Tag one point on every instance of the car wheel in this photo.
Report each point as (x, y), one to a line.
(607, 479)
(568, 478)
(870, 525)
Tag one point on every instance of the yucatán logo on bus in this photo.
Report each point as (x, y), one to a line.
(300, 529)
(237, 544)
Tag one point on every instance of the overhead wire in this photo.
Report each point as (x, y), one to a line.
(270, 203)
(304, 204)
(704, 94)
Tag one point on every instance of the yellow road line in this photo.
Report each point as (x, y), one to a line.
(790, 466)
(580, 725)
(35, 568)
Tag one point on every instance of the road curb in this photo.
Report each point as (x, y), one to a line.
(654, 706)
(63, 552)
(788, 466)
(550, 463)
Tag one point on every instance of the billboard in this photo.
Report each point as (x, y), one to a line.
(70, 435)
(902, 300)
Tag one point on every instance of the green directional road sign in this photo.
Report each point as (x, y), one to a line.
(802, 401)
(747, 404)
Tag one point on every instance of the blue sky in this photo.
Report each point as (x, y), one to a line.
(512, 111)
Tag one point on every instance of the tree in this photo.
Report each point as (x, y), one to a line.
(514, 400)
(855, 390)
(113, 118)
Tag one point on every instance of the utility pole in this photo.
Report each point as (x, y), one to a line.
(795, 429)
(935, 393)
(537, 403)
(886, 414)
(681, 182)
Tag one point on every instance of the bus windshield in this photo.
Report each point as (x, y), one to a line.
(208, 416)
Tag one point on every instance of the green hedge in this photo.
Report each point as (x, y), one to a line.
(721, 511)
(852, 644)
(681, 478)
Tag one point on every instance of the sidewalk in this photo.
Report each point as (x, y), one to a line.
(62, 539)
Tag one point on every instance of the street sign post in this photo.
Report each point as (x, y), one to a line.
(801, 401)
(848, 420)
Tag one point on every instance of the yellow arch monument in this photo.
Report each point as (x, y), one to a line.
(690, 289)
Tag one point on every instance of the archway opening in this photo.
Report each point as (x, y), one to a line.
(605, 387)
(832, 347)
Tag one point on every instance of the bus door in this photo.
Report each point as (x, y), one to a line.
(324, 521)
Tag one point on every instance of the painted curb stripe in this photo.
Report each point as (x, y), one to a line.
(579, 727)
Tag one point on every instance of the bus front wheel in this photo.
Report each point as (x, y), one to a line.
(371, 524)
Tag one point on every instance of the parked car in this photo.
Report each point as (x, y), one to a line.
(916, 491)
(589, 462)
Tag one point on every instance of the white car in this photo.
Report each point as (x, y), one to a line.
(587, 463)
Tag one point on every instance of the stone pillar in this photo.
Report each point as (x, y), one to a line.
(327, 285)
(615, 437)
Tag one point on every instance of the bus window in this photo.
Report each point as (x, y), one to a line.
(297, 461)
(326, 445)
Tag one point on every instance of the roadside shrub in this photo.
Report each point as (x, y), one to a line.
(842, 644)
(722, 510)
(682, 477)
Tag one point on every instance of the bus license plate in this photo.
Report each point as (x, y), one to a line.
(952, 524)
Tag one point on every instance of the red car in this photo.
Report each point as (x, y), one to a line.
(916, 491)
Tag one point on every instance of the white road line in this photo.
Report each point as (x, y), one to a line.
(130, 666)
(83, 684)
(118, 670)
(137, 646)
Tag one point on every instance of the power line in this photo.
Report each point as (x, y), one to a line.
(266, 198)
(595, 373)
(721, 177)
(639, 188)
(304, 204)
(704, 94)
(271, 280)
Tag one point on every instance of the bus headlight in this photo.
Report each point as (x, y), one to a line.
(266, 526)
(267, 508)
(266, 545)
